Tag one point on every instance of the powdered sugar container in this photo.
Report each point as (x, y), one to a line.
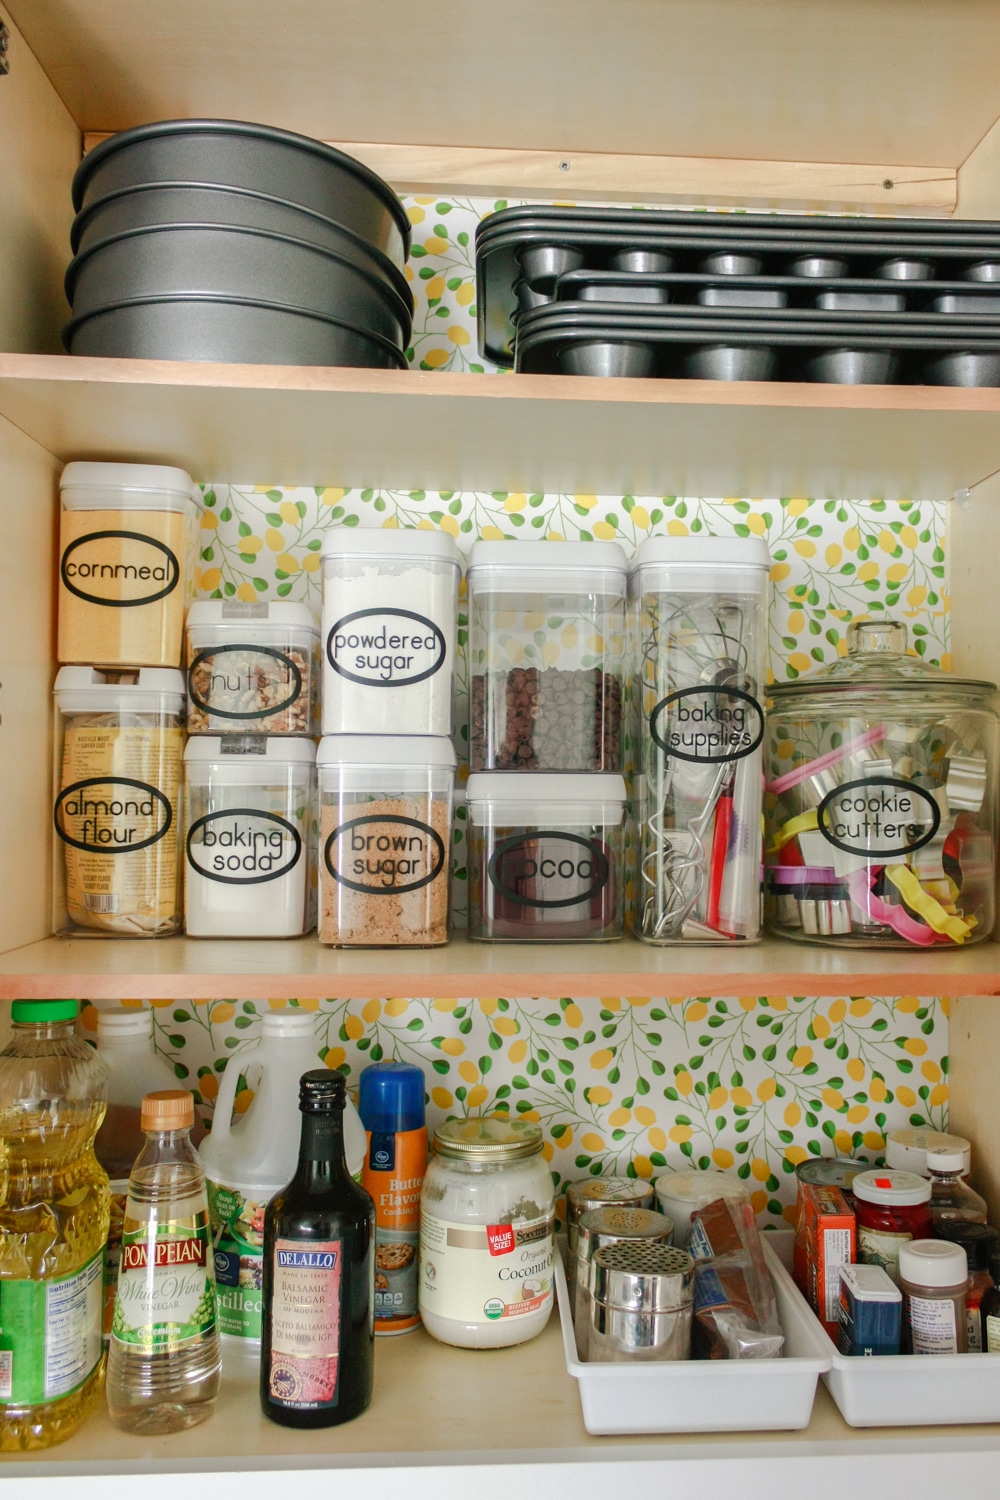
(390, 610)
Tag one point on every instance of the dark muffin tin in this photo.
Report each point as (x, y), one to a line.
(757, 286)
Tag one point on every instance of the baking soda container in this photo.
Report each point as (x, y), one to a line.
(390, 616)
(53, 1224)
(391, 1105)
(249, 1160)
(125, 1041)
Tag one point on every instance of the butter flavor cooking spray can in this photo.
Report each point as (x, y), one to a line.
(391, 1105)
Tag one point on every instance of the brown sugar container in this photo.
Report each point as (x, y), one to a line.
(123, 545)
(385, 806)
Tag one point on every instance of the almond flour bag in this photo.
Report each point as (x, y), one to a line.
(116, 807)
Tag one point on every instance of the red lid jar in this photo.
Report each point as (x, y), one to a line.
(892, 1208)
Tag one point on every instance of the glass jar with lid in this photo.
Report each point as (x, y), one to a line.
(487, 1216)
(881, 800)
(891, 1209)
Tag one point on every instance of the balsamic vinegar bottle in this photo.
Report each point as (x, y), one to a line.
(318, 1337)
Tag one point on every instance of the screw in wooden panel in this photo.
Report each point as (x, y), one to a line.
(888, 184)
(564, 166)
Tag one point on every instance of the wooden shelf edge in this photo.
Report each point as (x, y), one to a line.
(179, 968)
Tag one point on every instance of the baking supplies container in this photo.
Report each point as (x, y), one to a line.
(642, 1304)
(730, 1395)
(598, 1228)
(881, 774)
(252, 668)
(249, 838)
(600, 1192)
(117, 800)
(390, 608)
(385, 807)
(546, 645)
(546, 856)
(123, 545)
(697, 623)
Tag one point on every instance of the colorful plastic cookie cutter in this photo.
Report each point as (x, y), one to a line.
(920, 901)
(831, 758)
(805, 822)
(860, 883)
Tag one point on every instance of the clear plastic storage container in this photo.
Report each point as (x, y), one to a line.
(390, 617)
(252, 668)
(546, 646)
(117, 783)
(698, 637)
(385, 840)
(249, 836)
(881, 800)
(124, 538)
(546, 857)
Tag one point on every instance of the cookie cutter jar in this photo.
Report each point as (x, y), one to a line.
(546, 647)
(546, 857)
(881, 800)
(698, 635)
(252, 668)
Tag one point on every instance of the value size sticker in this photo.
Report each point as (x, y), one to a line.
(707, 724)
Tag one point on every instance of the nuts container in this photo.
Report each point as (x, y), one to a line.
(252, 668)
(546, 640)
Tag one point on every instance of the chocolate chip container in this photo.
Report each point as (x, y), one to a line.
(546, 645)
(881, 800)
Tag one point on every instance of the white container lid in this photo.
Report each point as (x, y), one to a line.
(89, 690)
(700, 1188)
(933, 1263)
(89, 486)
(538, 566)
(703, 552)
(902, 1189)
(908, 1146)
(249, 748)
(269, 619)
(945, 1159)
(124, 1025)
(871, 1283)
(377, 750)
(382, 542)
(547, 788)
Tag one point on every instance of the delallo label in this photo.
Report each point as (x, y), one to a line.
(112, 815)
(548, 869)
(384, 854)
(305, 1324)
(878, 818)
(243, 846)
(708, 725)
(385, 647)
(166, 1283)
(119, 569)
(227, 674)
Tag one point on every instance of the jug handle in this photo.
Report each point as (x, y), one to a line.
(222, 1117)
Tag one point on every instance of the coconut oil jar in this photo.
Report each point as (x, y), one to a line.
(881, 800)
(487, 1216)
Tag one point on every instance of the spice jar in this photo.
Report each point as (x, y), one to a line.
(599, 1192)
(643, 1303)
(598, 1228)
(385, 840)
(252, 668)
(123, 548)
(249, 836)
(116, 800)
(486, 1226)
(698, 635)
(390, 616)
(679, 1195)
(881, 800)
(891, 1209)
(933, 1278)
(546, 857)
(546, 646)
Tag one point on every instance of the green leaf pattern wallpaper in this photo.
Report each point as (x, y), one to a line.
(750, 1085)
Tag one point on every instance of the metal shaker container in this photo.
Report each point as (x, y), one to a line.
(599, 1192)
(642, 1303)
(598, 1229)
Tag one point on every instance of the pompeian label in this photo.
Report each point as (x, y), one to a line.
(120, 569)
(384, 854)
(878, 817)
(112, 815)
(166, 1283)
(226, 673)
(243, 846)
(548, 868)
(707, 724)
(385, 647)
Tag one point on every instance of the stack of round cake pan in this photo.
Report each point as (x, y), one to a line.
(218, 240)
(740, 296)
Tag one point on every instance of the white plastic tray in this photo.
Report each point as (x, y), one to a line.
(730, 1395)
(908, 1390)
